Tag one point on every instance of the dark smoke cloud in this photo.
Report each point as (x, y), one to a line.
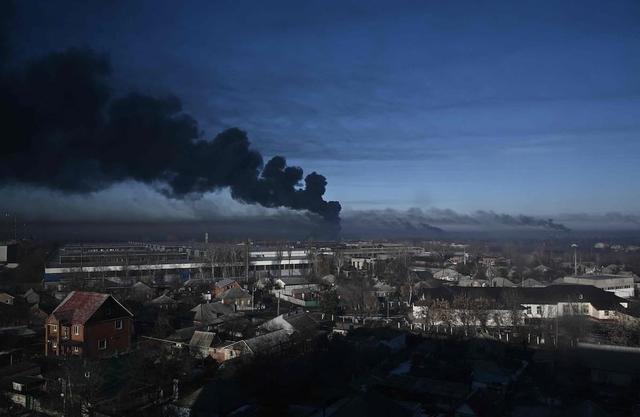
(602, 220)
(66, 132)
(436, 219)
(388, 223)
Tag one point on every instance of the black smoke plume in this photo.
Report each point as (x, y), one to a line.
(64, 131)
(433, 219)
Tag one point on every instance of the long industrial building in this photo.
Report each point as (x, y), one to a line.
(134, 261)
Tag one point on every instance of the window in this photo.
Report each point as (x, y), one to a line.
(585, 309)
(119, 324)
(528, 309)
(54, 328)
(539, 310)
(606, 313)
(102, 344)
(76, 349)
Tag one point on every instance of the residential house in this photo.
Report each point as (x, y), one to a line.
(531, 283)
(297, 290)
(273, 336)
(287, 284)
(237, 297)
(265, 344)
(382, 289)
(163, 302)
(446, 274)
(542, 269)
(473, 282)
(88, 324)
(201, 343)
(6, 298)
(210, 313)
(141, 292)
(223, 285)
(301, 323)
(501, 282)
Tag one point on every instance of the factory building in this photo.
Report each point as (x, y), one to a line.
(131, 262)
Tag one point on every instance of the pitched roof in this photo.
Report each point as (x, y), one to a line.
(302, 323)
(211, 311)
(80, 306)
(266, 342)
(224, 282)
(235, 292)
(202, 339)
(163, 299)
(530, 282)
(502, 282)
(141, 286)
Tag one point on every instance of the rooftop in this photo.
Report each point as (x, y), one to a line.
(79, 306)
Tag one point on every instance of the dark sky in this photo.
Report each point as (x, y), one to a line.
(512, 106)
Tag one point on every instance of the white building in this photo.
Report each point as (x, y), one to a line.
(620, 285)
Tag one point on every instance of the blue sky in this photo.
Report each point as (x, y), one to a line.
(518, 107)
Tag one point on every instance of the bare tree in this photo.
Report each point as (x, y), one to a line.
(512, 302)
(338, 259)
(463, 305)
(358, 296)
(481, 310)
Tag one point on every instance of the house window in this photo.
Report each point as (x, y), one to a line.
(54, 328)
(76, 329)
(54, 345)
(539, 310)
(102, 344)
(585, 309)
(119, 324)
(76, 349)
(528, 309)
(606, 313)
(65, 332)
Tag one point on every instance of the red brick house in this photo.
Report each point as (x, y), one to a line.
(88, 324)
(223, 286)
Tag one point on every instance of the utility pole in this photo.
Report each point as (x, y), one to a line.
(15, 225)
(575, 259)
(246, 261)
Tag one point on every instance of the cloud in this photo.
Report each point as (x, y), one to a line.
(67, 133)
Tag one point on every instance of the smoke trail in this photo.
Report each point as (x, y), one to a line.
(66, 132)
